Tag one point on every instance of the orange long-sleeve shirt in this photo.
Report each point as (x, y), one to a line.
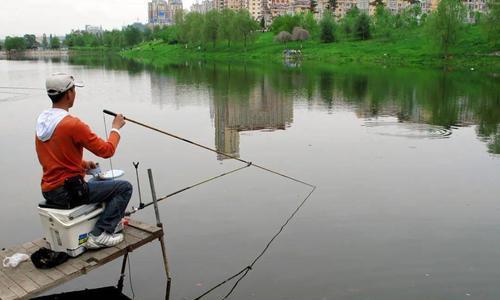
(61, 156)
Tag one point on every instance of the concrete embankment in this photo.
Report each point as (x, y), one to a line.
(33, 53)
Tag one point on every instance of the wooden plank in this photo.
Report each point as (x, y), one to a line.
(28, 245)
(6, 293)
(26, 281)
(129, 240)
(143, 226)
(66, 268)
(41, 243)
(20, 292)
(23, 281)
(6, 280)
(54, 274)
(137, 233)
(102, 253)
(39, 278)
(12, 285)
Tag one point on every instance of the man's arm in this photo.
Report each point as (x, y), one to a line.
(83, 135)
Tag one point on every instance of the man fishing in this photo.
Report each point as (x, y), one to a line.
(60, 139)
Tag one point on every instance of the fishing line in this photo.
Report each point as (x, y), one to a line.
(258, 257)
(247, 269)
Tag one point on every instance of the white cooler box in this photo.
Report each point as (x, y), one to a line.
(67, 230)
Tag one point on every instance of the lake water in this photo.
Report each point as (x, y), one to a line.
(407, 165)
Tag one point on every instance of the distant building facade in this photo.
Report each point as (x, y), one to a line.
(270, 9)
(97, 30)
(202, 7)
(157, 12)
(161, 12)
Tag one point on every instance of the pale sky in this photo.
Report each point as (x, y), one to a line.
(18, 17)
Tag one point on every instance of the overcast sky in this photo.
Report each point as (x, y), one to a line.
(18, 17)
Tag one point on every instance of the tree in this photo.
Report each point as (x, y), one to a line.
(383, 22)
(309, 23)
(132, 35)
(300, 34)
(408, 17)
(226, 25)
(283, 37)
(45, 43)
(362, 28)
(491, 22)
(195, 25)
(55, 43)
(327, 28)
(286, 23)
(211, 26)
(15, 43)
(446, 24)
(349, 20)
(31, 42)
(245, 26)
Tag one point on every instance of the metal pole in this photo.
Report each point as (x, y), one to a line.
(136, 166)
(162, 242)
(153, 194)
(122, 275)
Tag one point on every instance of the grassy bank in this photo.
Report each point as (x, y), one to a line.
(410, 50)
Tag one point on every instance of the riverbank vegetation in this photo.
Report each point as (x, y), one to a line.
(409, 38)
(450, 36)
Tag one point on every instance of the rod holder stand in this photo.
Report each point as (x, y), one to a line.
(155, 200)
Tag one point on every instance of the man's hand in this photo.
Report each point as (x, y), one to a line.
(89, 165)
(119, 121)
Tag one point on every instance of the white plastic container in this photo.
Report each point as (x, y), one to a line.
(67, 230)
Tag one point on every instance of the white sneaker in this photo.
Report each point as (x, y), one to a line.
(103, 240)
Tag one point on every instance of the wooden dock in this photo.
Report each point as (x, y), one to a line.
(26, 281)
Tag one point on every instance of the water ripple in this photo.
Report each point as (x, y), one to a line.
(407, 130)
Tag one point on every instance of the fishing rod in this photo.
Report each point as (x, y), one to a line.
(144, 205)
(208, 148)
(243, 273)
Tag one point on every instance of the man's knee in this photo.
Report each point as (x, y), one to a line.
(126, 189)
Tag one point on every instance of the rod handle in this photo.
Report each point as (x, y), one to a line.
(108, 112)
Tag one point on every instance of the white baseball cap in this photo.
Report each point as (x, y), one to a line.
(58, 83)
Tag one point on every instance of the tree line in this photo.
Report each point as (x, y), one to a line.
(227, 27)
(29, 42)
(444, 26)
(190, 29)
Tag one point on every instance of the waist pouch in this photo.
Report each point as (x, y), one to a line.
(77, 189)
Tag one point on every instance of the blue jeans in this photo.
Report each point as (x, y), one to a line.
(115, 193)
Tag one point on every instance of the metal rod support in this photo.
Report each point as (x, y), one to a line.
(162, 242)
(136, 166)
(122, 274)
(155, 201)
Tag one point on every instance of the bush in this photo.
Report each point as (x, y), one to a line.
(283, 37)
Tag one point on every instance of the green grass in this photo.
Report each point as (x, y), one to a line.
(412, 49)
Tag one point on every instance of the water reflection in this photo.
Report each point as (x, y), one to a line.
(262, 109)
(246, 97)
